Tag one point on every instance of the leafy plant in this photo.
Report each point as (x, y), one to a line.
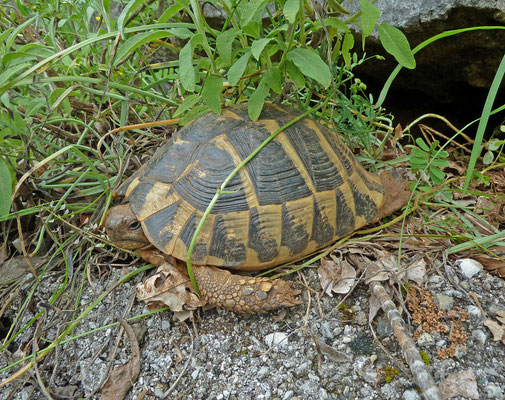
(430, 159)
(494, 149)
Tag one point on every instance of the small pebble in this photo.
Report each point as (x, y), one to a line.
(444, 302)
(276, 339)
(480, 336)
(469, 267)
(288, 395)
(411, 395)
(262, 372)
(493, 391)
(425, 339)
(474, 311)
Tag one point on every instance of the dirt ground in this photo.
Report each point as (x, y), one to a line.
(313, 351)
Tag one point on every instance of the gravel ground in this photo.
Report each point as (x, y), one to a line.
(307, 352)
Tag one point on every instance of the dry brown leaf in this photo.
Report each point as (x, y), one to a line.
(168, 287)
(122, 378)
(374, 306)
(415, 271)
(336, 276)
(333, 354)
(497, 328)
(381, 269)
(460, 383)
(385, 267)
(500, 316)
(17, 266)
(491, 264)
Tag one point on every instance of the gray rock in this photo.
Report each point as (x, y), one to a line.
(474, 311)
(425, 339)
(276, 339)
(288, 395)
(493, 391)
(262, 372)
(444, 302)
(411, 395)
(480, 336)
(469, 267)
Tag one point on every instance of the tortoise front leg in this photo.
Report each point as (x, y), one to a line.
(243, 294)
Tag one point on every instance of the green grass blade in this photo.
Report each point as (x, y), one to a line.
(486, 112)
(396, 71)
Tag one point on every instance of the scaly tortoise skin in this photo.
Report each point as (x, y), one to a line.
(300, 193)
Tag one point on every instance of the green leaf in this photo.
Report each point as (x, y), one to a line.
(237, 69)
(275, 32)
(347, 46)
(224, 43)
(251, 10)
(488, 157)
(416, 162)
(311, 65)
(257, 99)
(188, 102)
(186, 69)
(14, 34)
(127, 11)
(5, 188)
(295, 75)
(273, 78)
(495, 144)
(419, 153)
(211, 92)
(252, 29)
(422, 144)
(396, 44)
(440, 163)
(369, 16)
(194, 113)
(5, 99)
(138, 40)
(437, 175)
(291, 8)
(258, 46)
(10, 72)
(170, 12)
(333, 22)
(182, 33)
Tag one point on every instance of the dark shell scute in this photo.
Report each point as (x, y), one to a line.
(265, 245)
(186, 235)
(345, 216)
(322, 230)
(226, 247)
(199, 185)
(323, 173)
(158, 222)
(364, 204)
(275, 178)
(294, 236)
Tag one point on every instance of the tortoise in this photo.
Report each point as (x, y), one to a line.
(300, 193)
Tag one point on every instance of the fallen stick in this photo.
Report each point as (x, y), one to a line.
(420, 373)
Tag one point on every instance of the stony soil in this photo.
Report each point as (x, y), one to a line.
(316, 354)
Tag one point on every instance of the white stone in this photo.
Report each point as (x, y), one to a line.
(276, 339)
(411, 395)
(469, 267)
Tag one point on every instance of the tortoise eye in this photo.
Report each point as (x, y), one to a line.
(134, 226)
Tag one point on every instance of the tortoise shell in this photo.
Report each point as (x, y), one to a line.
(300, 193)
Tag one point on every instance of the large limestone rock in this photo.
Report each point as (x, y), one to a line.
(455, 71)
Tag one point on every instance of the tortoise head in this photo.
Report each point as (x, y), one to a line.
(124, 229)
